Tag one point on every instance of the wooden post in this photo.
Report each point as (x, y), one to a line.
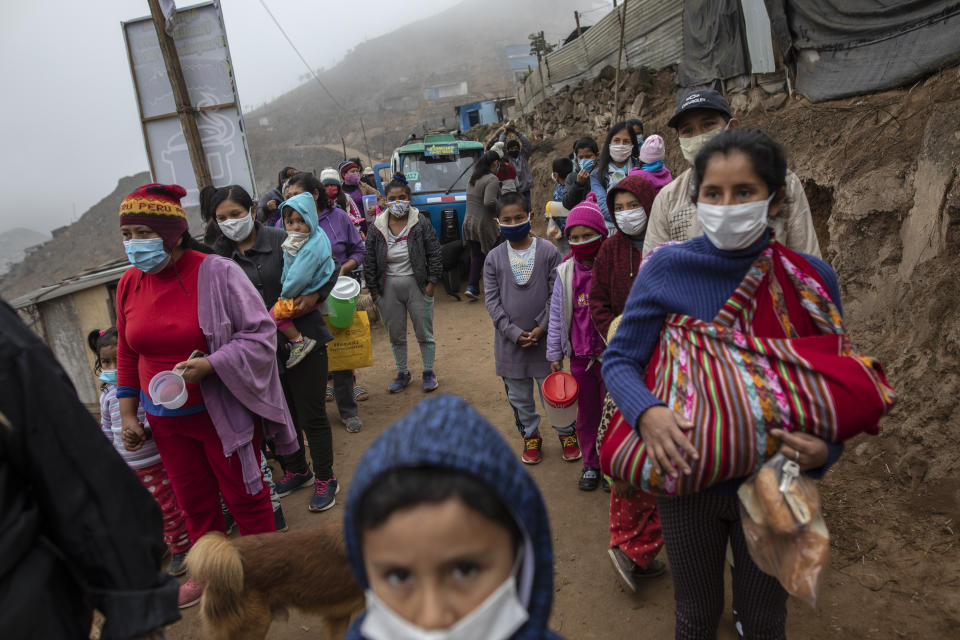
(343, 142)
(616, 81)
(543, 86)
(365, 143)
(185, 111)
(576, 16)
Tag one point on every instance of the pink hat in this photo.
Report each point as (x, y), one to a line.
(587, 214)
(652, 149)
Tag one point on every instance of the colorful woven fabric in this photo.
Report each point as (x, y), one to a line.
(776, 356)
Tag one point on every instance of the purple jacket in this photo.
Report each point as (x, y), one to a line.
(242, 340)
(657, 179)
(517, 308)
(344, 238)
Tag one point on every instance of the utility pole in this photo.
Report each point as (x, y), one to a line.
(616, 81)
(576, 16)
(366, 144)
(185, 111)
(344, 147)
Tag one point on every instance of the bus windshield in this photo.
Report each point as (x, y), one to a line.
(438, 173)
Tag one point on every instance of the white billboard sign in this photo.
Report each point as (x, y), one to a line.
(201, 42)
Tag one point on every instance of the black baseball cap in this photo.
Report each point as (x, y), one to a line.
(700, 99)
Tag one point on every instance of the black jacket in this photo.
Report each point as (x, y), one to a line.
(576, 192)
(78, 530)
(422, 244)
(263, 264)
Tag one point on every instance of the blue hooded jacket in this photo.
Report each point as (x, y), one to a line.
(313, 265)
(445, 431)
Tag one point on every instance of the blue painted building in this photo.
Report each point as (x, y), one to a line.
(475, 113)
(519, 58)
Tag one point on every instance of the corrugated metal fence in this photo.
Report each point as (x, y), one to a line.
(653, 37)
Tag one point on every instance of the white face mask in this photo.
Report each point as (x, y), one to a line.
(294, 242)
(620, 152)
(632, 222)
(736, 226)
(690, 147)
(496, 618)
(237, 229)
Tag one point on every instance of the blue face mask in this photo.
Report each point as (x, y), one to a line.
(147, 254)
(515, 232)
(109, 376)
(639, 140)
(587, 164)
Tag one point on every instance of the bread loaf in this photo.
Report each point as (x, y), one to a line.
(803, 560)
(777, 512)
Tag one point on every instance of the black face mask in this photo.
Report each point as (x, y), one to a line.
(514, 154)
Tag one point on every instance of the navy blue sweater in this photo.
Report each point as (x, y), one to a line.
(695, 279)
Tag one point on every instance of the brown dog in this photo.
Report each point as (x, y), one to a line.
(253, 579)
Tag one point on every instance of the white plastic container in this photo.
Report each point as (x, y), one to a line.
(168, 389)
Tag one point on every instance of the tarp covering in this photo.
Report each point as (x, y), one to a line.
(848, 47)
(713, 42)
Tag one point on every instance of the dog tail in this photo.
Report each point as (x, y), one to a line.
(215, 562)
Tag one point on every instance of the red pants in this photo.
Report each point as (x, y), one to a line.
(635, 527)
(175, 535)
(193, 457)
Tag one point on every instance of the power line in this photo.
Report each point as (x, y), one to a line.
(297, 51)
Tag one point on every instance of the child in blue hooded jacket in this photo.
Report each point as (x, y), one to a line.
(307, 266)
(447, 533)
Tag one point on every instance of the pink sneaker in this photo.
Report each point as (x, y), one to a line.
(190, 593)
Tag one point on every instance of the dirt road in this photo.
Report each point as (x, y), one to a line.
(589, 600)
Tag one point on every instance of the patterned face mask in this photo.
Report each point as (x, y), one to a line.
(399, 208)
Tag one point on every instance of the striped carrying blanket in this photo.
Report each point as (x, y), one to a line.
(776, 356)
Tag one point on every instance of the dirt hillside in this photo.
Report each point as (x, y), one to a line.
(880, 172)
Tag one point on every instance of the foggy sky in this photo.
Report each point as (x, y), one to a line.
(69, 125)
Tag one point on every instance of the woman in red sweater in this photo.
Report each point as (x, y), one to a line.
(174, 303)
(635, 537)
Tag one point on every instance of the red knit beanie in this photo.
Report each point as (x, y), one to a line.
(158, 207)
(638, 186)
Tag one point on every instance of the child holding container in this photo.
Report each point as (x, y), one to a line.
(145, 461)
(518, 278)
(571, 332)
(401, 267)
(307, 266)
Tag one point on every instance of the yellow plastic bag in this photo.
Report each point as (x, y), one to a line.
(351, 347)
(283, 308)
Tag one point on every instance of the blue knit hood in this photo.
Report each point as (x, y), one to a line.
(313, 265)
(445, 431)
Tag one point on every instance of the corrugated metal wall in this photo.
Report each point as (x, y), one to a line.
(653, 37)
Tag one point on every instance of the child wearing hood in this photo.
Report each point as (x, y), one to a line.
(447, 533)
(307, 265)
(571, 331)
(652, 167)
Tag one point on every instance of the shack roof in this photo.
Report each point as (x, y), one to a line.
(102, 274)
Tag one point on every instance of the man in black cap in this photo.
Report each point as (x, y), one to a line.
(702, 115)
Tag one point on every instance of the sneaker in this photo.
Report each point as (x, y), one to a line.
(190, 593)
(360, 393)
(324, 494)
(400, 382)
(472, 293)
(178, 564)
(290, 482)
(589, 479)
(531, 450)
(299, 351)
(353, 424)
(430, 382)
(571, 447)
(278, 519)
(604, 483)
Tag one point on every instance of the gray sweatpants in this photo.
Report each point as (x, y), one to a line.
(401, 296)
(520, 395)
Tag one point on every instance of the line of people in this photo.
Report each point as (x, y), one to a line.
(643, 248)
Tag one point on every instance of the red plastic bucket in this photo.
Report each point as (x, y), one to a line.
(560, 390)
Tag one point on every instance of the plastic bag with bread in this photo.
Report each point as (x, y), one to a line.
(784, 527)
